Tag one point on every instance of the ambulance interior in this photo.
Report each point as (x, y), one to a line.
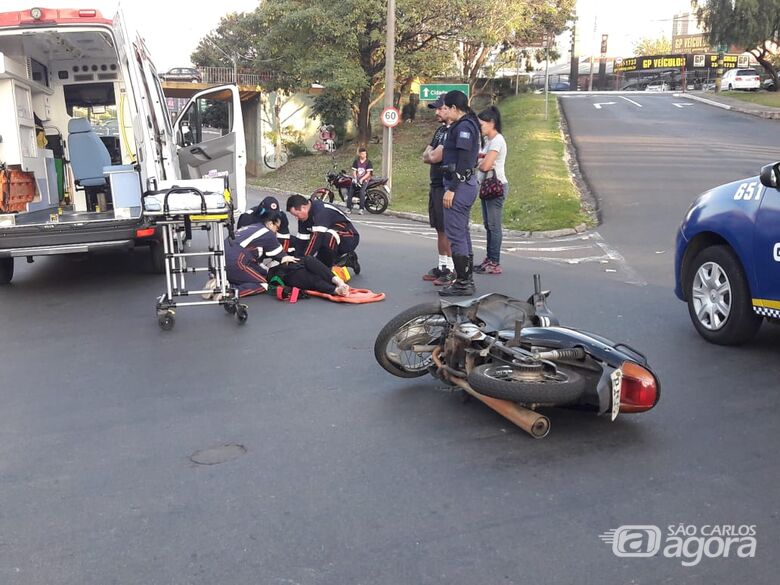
(67, 138)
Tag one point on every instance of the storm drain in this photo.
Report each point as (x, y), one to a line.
(217, 455)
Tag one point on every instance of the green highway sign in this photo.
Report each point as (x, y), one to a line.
(430, 91)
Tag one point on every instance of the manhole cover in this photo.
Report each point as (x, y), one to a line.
(217, 455)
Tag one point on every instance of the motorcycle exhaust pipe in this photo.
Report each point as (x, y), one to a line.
(535, 424)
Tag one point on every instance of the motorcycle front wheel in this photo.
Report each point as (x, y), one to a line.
(527, 386)
(421, 325)
(376, 201)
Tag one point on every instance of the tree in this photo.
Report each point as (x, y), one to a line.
(343, 49)
(753, 25)
(487, 30)
(648, 46)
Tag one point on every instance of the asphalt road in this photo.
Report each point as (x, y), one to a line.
(351, 475)
(648, 155)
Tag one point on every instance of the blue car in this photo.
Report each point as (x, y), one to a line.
(727, 259)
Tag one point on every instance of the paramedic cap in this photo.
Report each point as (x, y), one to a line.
(438, 103)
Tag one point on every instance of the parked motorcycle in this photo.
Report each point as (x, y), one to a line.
(377, 193)
(514, 356)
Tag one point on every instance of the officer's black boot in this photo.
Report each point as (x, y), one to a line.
(464, 283)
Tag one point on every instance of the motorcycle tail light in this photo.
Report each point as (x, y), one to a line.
(638, 388)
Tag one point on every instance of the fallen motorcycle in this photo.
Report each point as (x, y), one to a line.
(515, 357)
(377, 193)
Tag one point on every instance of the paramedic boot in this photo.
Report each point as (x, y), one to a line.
(464, 282)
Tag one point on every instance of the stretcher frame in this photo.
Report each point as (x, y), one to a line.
(176, 231)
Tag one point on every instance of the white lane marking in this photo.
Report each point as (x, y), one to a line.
(599, 104)
(681, 104)
(617, 257)
(628, 100)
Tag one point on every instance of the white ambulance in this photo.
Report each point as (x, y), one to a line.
(85, 133)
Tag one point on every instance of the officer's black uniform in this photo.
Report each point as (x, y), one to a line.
(461, 151)
(327, 234)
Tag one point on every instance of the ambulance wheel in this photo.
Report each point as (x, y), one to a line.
(241, 314)
(6, 270)
(166, 320)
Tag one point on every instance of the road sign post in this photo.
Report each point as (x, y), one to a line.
(429, 92)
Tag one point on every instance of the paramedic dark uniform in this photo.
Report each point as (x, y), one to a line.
(270, 204)
(244, 255)
(461, 150)
(327, 233)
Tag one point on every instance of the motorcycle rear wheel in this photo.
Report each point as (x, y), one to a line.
(422, 324)
(376, 201)
(500, 381)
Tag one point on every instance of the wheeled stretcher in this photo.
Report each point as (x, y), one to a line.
(178, 211)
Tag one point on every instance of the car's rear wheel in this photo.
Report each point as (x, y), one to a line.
(719, 301)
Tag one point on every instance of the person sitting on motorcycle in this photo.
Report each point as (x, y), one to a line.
(325, 232)
(362, 171)
(254, 214)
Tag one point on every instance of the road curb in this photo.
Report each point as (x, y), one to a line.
(764, 114)
(475, 227)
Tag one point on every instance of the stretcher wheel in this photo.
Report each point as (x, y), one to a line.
(230, 308)
(241, 314)
(166, 320)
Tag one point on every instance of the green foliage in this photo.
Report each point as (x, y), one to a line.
(753, 25)
(648, 46)
(332, 108)
(292, 140)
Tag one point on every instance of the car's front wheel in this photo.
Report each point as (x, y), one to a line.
(719, 301)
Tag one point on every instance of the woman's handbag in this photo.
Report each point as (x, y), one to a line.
(491, 187)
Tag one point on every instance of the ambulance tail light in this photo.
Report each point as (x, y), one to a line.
(144, 232)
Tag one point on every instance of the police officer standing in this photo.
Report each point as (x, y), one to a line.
(459, 161)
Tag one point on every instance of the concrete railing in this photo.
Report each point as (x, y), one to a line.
(222, 75)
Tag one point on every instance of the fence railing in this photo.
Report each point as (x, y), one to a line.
(222, 75)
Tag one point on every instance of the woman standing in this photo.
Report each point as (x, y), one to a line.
(459, 161)
(492, 163)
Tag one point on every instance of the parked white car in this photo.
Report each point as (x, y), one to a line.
(657, 86)
(741, 79)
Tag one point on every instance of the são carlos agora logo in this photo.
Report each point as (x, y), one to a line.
(686, 542)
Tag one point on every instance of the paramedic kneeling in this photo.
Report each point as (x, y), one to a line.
(245, 254)
(459, 159)
(325, 232)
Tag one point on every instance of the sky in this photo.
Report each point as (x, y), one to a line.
(172, 28)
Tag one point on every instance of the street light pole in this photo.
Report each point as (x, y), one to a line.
(387, 133)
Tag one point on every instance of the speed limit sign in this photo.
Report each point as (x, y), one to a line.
(390, 117)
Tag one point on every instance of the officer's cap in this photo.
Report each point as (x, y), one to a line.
(438, 103)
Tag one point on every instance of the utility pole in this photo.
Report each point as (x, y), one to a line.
(387, 133)
(593, 48)
(546, 72)
(574, 64)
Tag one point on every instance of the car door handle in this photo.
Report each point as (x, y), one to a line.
(199, 150)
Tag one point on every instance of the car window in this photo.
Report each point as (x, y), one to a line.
(207, 119)
(746, 72)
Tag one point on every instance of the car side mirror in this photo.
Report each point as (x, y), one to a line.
(770, 175)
